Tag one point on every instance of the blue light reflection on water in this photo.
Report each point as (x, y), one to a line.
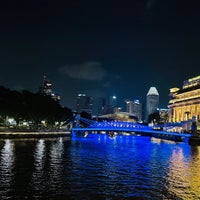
(99, 167)
(132, 166)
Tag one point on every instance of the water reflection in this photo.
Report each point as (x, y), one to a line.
(184, 174)
(99, 167)
(7, 160)
(47, 175)
(56, 167)
(194, 172)
(39, 156)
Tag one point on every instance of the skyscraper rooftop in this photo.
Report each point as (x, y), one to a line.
(152, 91)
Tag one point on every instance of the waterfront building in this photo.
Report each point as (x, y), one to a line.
(184, 103)
(152, 101)
(84, 103)
(118, 116)
(134, 107)
(163, 113)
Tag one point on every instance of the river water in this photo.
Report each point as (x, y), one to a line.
(99, 167)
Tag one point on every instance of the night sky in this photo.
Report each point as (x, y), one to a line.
(99, 47)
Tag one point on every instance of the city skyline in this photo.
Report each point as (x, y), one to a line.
(99, 48)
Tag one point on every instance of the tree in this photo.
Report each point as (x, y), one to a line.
(155, 117)
(31, 107)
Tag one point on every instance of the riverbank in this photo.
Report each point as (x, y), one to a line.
(33, 134)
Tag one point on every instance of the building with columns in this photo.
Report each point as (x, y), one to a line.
(184, 104)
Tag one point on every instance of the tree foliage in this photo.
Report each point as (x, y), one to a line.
(32, 107)
(154, 117)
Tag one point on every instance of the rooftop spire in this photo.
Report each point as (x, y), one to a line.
(152, 91)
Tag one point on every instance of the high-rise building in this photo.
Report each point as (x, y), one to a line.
(102, 105)
(84, 103)
(46, 90)
(185, 103)
(46, 87)
(135, 108)
(113, 101)
(111, 106)
(129, 106)
(152, 101)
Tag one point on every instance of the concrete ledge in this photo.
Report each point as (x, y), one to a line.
(34, 134)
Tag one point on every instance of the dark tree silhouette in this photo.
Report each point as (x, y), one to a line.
(32, 107)
(86, 115)
(155, 117)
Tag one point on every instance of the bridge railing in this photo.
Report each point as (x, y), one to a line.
(118, 125)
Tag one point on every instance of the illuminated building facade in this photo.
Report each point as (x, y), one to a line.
(118, 116)
(46, 87)
(46, 90)
(135, 108)
(152, 101)
(84, 103)
(185, 103)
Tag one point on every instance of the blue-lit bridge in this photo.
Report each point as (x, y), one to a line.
(116, 127)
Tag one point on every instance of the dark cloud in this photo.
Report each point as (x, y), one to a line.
(92, 71)
(111, 81)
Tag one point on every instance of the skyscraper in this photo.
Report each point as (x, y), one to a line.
(46, 90)
(102, 105)
(111, 107)
(46, 87)
(129, 106)
(152, 101)
(113, 101)
(134, 107)
(84, 103)
(137, 109)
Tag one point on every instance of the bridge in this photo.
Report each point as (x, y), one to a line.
(116, 127)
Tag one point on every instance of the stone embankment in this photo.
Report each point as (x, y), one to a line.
(10, 133)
